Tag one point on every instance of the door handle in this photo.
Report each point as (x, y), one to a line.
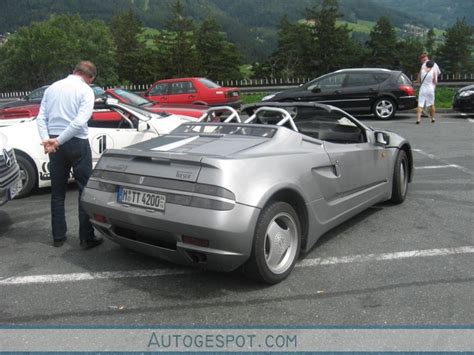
(337, 91)
(337, 169)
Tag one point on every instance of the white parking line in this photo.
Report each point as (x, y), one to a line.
(434, 157)
(58, 278)
(437, 166)
(385, 256)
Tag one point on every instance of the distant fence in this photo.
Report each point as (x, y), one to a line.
(257, 85)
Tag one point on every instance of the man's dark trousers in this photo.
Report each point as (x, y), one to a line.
(75, 154)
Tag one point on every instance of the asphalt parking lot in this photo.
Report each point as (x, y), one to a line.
(409, 264)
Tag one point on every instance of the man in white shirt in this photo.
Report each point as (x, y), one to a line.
(66, 107)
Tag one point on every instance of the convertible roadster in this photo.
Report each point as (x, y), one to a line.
(251, 194)
(135, 125)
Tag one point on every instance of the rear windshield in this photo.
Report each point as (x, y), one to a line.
(210, 84)
(403, 80)
(228, 129)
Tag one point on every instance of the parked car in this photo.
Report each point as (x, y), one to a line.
(358, 91)
(28, 107)
(132, 98)
(10, 182)
(26, 110)
(135, 125)
(200, 91)
(463, 100)
(34, 97)
(246, 195)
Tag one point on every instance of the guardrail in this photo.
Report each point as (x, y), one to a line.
(266, 84)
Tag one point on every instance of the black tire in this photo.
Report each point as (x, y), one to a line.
(384, 108)
(400, 178)
(28, 175)
(271, 261)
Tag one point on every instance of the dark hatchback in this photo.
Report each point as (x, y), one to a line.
(359, 91)
(463, 100)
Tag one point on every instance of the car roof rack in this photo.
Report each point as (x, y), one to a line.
(286, 116)
(214, 114)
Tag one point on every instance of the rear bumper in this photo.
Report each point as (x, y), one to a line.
(160, 233)
(407, 102)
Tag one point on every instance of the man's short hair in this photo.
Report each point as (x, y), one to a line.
(430, 64)
(86, 67)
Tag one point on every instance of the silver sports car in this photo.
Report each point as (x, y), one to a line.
(246, 193)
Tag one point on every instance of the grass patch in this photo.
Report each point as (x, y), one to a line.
(444, 96)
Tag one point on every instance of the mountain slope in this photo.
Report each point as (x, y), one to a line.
(251, 24)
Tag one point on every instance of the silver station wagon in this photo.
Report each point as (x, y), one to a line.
(247, 193)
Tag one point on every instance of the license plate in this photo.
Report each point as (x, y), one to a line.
(14, 190)
(141, 198)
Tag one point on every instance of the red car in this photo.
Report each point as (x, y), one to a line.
(129, 97)
(27, 109)
(200, 91)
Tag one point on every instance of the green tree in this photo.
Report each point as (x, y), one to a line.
(409, 62)
(430, 41)
(294, 42)
(456, 53)
(132, 54)
(219, 59)
(177, 52)
(383, 45)
(47, 51)
(332, 47)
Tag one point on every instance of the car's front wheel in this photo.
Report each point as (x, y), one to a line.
(400, 178)
(384, 108)
(276, 244)
(28, 175)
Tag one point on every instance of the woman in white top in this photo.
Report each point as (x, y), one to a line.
(426, 96)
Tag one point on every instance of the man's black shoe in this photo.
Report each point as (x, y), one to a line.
(59, 243)
(87, 244)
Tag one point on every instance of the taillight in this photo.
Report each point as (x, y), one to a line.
(408, 89)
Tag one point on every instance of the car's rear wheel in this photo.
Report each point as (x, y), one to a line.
(276, 244)
(384, 108)
(400, 178)
(28, 175)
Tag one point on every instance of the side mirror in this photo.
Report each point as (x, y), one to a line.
(381, 138)
(143, 126)
(316, 89)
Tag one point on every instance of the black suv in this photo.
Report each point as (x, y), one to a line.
(358, 91)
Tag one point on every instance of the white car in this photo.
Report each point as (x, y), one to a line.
(10, 182)
(134, 125)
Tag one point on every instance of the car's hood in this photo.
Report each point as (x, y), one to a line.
(20, 130)
(176, 110)
(199, 144)
(179, 157)
(466, 88)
